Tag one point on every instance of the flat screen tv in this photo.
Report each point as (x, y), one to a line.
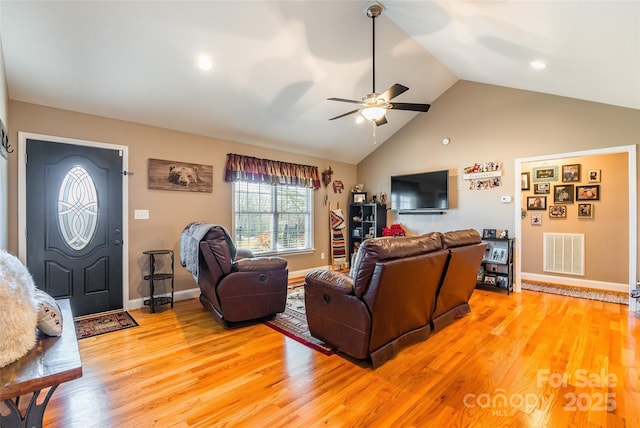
(426, 191)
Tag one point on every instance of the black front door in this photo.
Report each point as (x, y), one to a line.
(74, 223)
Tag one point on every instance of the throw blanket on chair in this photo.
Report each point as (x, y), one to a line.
(190, 245)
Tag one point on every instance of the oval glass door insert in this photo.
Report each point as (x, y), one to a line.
(77, 208)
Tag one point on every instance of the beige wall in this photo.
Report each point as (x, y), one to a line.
(169, 211)
(491, 123)
(605, 260)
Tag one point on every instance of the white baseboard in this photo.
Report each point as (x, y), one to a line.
(193, 293)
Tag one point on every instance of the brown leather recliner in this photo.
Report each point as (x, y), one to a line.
(234, 285)
(386, 301)
(467, 251)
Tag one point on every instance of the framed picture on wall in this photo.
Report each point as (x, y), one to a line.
(545, 173)
(541, 188)
(588, 193)
(537, 203)
(563, 194)
(525, 179)
(570, 173)
(536, 219)
(558, 211)
(593, 176)
(585, 210)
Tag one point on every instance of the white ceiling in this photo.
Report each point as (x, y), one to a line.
(276, 62)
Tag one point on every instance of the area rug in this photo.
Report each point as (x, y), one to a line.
(93, 325)
(293, 321)
(583, 293)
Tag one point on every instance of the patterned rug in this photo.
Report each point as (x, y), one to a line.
(293, 321)
(583, 293)
(93, 325)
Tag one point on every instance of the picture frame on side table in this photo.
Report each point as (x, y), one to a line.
(359, 197)
(488, 233)
(588, 193)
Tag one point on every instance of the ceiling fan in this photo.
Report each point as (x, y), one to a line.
(374, 106)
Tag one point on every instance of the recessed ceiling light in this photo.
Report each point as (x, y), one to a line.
(538, 65)
(205, 63)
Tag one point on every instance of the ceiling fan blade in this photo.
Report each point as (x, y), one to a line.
(345, 114)
(410, 106)
(344, 100)
(381, 121)
(394, 91)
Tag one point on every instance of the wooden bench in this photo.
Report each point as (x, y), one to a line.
(53, 361)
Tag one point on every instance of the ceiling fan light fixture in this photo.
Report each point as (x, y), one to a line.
(373, 113)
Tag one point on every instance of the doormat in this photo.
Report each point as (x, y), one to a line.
(293, 321)
(93, 325)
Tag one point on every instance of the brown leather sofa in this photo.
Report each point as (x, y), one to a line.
(398, 290)
(234, 285)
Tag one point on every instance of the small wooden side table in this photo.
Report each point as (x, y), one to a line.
(154, 276)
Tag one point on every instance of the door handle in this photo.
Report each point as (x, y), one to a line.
(117, 242)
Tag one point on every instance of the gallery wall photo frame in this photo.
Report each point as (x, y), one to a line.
(585, 210)
(537, 203)
(525, 180)
(541, 188)
(594, 176)
(563, 194)
(544, 173)
(558, 211)
(588, 193)
(571, 173)
(536, 219)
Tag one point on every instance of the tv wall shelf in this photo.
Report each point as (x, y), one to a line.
(496, 269)
(416, 212)
(365, 221)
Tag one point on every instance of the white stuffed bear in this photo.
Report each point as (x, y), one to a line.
(18, 309)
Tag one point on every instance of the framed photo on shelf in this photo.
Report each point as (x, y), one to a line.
(541, 188)
(359, 197)
(593, 176)
(563, 194)
(588, 193)
(585, 210)
(525, 179)
(571, 173)
(501, 281)
(488, 233)
(558, 211)
(545, 173)
(490, 279)
(536, 219)
(537, 203)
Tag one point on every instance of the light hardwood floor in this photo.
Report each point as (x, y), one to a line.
(525, 360)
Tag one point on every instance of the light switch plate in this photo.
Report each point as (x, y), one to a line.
(141, 214)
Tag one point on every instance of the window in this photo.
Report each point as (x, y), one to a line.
(272, 219)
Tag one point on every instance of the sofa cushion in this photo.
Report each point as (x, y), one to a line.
(458, 238)
(373, 250)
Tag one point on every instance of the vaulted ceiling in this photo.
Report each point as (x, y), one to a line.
(276, 62)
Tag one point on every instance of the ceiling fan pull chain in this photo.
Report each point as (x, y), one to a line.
(373, 123)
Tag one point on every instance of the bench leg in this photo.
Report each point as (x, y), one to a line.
(34, 412)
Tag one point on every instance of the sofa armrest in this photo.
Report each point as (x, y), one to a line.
(337, 282)
(259, 264)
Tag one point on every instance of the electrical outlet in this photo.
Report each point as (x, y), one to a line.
(322, 256)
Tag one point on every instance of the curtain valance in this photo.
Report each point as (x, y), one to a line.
(255, 170)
